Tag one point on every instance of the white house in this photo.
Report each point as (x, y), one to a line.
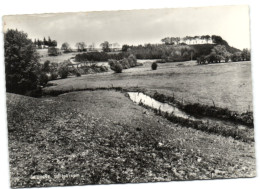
(196, 40)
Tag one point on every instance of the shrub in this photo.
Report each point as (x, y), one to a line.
(46, 66)
(63, 70)
(115, 66)
(125, 63)
(43, 79)
(103, 69)
(77, 73)
(112, 63)
(118, 68)
(132, 60)
(154, 66)
(54, 75)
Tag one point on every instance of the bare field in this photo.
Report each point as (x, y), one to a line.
(227, 85)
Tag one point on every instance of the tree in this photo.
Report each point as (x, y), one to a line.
(105, 46)
(81, 46)
(177, 40)
(63, 69)
(65, 46)
(246, 55)
(218, 53)
(221, 52)
(53, 43)
(21, 62)
(236, 57)
(44, 42)
(49, 41)
(39, 43)
(167, 40)
(207, 37)
(91, 46)
(125, 48)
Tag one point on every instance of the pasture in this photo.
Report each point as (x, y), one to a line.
(225, 85)
(60, 58)
(100, 136)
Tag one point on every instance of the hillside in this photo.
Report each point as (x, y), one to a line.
(205, 49)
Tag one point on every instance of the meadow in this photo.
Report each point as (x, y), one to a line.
(43, 53)
(92, 133)
(223, 85)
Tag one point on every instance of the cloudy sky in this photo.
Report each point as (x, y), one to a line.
(137, 26)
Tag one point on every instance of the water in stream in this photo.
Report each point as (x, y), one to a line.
(138, 97)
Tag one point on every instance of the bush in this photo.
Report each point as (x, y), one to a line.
(103, 69)
(63, 70)
(43, 79)
(46, 66)
(54, 75)
(154, 66)
(112, 63)
(118, 68)
(115, 66)
(77, 73)
(125, 63)
(132, 60)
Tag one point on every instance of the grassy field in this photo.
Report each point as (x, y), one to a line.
(225, 85)
(57, 59)
(101, 137)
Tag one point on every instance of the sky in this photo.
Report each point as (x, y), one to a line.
(137, 26)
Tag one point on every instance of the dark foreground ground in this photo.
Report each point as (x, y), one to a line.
(102, 137)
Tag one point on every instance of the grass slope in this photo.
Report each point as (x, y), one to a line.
(101, 137)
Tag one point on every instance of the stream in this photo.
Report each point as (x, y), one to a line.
(139, 97)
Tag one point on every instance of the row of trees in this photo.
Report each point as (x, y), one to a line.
(161, 51)
(99, 56)
(82, 46)
(219, 53)
(176, 40)
(46, 43)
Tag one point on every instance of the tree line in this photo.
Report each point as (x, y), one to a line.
(45, 43)
(82, 46)
(219, 54)
(161, 51)
(176, 40)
